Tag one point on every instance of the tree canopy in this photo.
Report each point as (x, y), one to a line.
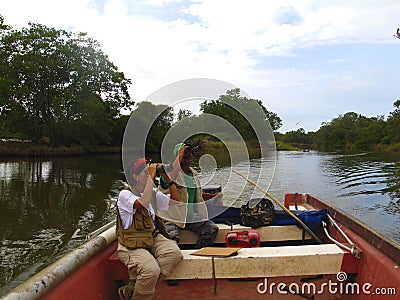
(392, 129)
(232, 107)
(58, 86)
(350, 132)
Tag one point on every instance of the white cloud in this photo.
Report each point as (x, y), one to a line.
(157, 42)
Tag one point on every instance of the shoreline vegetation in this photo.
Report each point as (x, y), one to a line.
(15, 148)
(28, 149)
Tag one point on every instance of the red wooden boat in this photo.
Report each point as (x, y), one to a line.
(353, 262)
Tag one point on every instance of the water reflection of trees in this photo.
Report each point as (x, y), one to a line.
(393, 183)
(43, 203)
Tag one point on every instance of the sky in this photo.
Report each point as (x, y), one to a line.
(307, 61)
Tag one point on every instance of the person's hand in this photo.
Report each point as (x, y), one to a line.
(151, 168)
(176, 165)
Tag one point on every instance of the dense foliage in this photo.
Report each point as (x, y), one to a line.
(232, 107)
(194, 127)
(58, 87)
(351, 132)
(163, 117)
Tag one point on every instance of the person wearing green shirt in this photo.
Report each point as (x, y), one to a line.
(190, 192)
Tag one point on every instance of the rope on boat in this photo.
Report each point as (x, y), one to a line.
(353, 250)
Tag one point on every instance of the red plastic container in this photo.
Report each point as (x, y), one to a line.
(243, 239)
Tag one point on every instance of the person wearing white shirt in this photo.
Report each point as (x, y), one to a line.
(143, 243)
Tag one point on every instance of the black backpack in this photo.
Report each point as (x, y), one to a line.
(257, 212)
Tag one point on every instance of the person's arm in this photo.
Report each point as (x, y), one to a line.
(147, 196)
(172, 188)
(176, 165)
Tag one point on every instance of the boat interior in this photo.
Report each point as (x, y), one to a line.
(287, 254)
(279, 245)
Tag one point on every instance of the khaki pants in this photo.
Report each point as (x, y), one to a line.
(147, 266)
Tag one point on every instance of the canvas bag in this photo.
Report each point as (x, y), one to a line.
(257, 212)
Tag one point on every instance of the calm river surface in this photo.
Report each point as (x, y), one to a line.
(47, 207)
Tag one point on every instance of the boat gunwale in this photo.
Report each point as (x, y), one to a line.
(382, 243)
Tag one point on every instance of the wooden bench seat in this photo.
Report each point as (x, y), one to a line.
(257, 262)
(267, 234)
(263, 262)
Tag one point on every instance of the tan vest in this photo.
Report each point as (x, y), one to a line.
(141, 233)
(181, 208)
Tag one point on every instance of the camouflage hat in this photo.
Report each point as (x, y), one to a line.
(177, 148)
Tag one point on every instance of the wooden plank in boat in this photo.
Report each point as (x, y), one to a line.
(216, 251)
(263, 262)
(267, 233)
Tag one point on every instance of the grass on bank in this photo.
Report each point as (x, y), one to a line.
(20, 148)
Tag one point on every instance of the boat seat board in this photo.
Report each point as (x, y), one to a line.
(267, 233)
(262, 262)
(255, 262)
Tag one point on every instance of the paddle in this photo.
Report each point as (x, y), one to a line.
(282, 206)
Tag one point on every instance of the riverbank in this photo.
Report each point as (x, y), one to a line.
(386, 148)
(27, 149)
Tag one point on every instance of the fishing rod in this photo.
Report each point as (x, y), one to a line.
(306, 228)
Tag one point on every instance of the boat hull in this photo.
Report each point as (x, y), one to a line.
(99, 273)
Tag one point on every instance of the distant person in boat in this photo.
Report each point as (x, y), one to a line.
(190, 192)
(143, 242)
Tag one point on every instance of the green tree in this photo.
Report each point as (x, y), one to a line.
(184, 113)
(232, 107)
(59, 86)
(350, 131)
(298, 136)
(158, 118)
(392, 130)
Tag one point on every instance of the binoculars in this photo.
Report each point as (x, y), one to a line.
(193, 149)
(162, 169)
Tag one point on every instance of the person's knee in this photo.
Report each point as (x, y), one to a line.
(177, 255)
(150, 271)
(173, 252)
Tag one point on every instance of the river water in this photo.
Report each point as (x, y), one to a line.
(47, 207)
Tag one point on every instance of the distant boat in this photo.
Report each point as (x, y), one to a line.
(353, 257)
(306, 150)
